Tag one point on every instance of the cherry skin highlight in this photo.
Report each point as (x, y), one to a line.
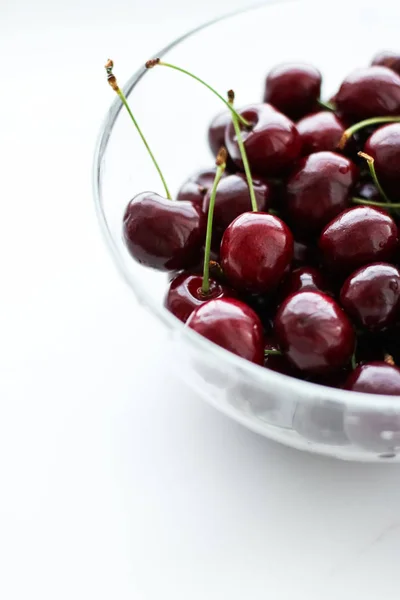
(256, 250)
(163, 234)
(371, 296)
(293, 88)
(314, 333)
(358, 236)
(232, 325)
(272, 143)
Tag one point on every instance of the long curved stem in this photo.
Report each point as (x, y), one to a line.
(361, 124)
(221, 165)
(113, 83)
(371, 166)
(387, 205)
(243, 154)
(156, 61)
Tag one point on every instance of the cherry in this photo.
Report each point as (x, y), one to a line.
(232, 325)
(185, 294)
(233, 199)
(216, 136)
(389, 60)
(371, 295)
(375, 378)
(358, 236)
(318, 190)
(384, 147)
(293, 88)
(314, 333)
(303, 278)
(369, 92)
(320, 131)
(162, 233)
(195, 188)
(272, 142)
(256, 249)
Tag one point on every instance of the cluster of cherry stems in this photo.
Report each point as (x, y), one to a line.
(300, 185)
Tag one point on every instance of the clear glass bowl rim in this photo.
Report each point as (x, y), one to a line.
(312, 390)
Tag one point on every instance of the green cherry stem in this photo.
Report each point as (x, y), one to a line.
(156, 61)
(361, 124)
(231, 98)
(326, 105)
(273, 353)
(113, 83)
(387, 205)
(221, 165)
(371, 166)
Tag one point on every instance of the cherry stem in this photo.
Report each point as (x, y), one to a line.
(221, 165)
(156, 61)
(113, 83)
(361, 124)
(273, 353)
(388, 205)
(374, 176)
(327, 105)
(388, 359)
(239, 139)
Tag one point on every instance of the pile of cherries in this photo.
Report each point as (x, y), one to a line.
(297, 268)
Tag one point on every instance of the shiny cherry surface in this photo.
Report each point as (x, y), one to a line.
(272, 143)
(384, 147)
(302, 278)
(375, 378)
(358, 236)
(233, 199)
(320, 131)
(185, 294)
(369, 92)
(371, 295)
(256, 249)
(293, 88)
(163, 234)
(232, 325)
(195, 188)
(318, 190)
(314, 332)
(391, 60)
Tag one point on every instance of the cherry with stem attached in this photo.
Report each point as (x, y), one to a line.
(370, 161)
(150, 219)
(350, 131)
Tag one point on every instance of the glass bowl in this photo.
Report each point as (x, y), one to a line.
(174, 112)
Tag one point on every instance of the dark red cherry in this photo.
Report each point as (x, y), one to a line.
(185, 294)
(358, 236)
(370, 92)
(161, 233)
(232, 325)
(233, 199)
(375, 378)
(195, 188)
(272, 143)
(320, 131)
(216, 136)
(391, 60)
(314, 332)
(371, 296)
(256, 249)
(293, 88)
(384, 147)
(303, 278)
(318, 190)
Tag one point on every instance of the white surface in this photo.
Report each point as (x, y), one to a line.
(110, 490)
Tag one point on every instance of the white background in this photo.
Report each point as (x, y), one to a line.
(111, 489)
